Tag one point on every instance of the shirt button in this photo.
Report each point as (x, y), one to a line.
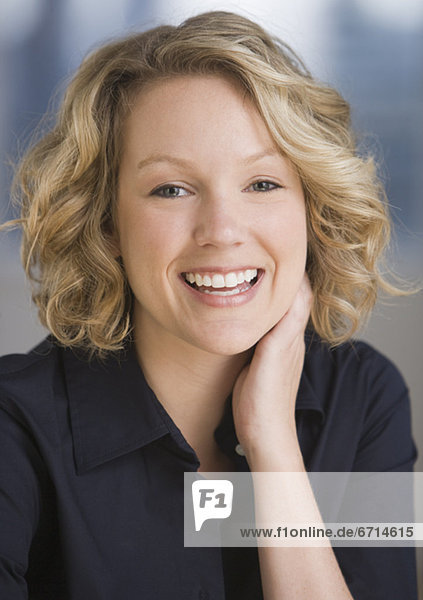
(239, 450)
(203, 595)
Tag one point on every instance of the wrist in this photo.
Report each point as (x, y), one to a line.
(281, 454)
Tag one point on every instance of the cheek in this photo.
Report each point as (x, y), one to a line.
(287, 234)
(148, 243)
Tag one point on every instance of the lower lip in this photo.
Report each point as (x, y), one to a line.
(224, 301)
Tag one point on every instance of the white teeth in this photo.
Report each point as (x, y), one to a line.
(219, 280)
(251, 273)
(231, 280)
(228, 293)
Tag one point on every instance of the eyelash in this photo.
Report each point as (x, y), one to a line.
(274, 185)
(160, 190)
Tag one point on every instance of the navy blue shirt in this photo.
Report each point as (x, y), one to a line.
(91, 477)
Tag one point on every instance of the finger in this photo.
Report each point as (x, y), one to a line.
(295, 320)
(301, 307)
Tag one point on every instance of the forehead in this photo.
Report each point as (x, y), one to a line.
(210, 86)
(192, 111)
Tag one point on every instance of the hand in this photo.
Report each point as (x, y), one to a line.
(265, 391)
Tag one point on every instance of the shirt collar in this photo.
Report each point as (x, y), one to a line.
(307, 399)
(113, 411)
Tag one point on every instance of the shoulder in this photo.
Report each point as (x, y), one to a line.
(36, 364)
(17, 363)
(26, 380)
(356, 366)
(366, 406)
(354, 353)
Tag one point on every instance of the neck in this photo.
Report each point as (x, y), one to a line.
(192, 384)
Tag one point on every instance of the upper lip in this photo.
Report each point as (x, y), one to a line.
(215, 269)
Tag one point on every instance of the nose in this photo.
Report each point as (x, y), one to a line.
(219, 222)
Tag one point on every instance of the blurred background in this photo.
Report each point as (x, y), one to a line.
(372, 50)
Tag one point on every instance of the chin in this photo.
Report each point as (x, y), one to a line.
(227, 349)
(230, 342)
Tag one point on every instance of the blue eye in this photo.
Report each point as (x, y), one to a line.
(170, 191)
(264, 186)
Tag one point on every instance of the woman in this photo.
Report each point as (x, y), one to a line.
(199, 201)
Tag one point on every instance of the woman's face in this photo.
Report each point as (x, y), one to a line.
(211, 220)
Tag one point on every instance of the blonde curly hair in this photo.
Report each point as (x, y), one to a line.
(67, 183)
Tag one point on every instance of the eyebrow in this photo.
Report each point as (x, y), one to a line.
(181, 162)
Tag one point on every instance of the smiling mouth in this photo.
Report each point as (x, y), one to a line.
(218, 284)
